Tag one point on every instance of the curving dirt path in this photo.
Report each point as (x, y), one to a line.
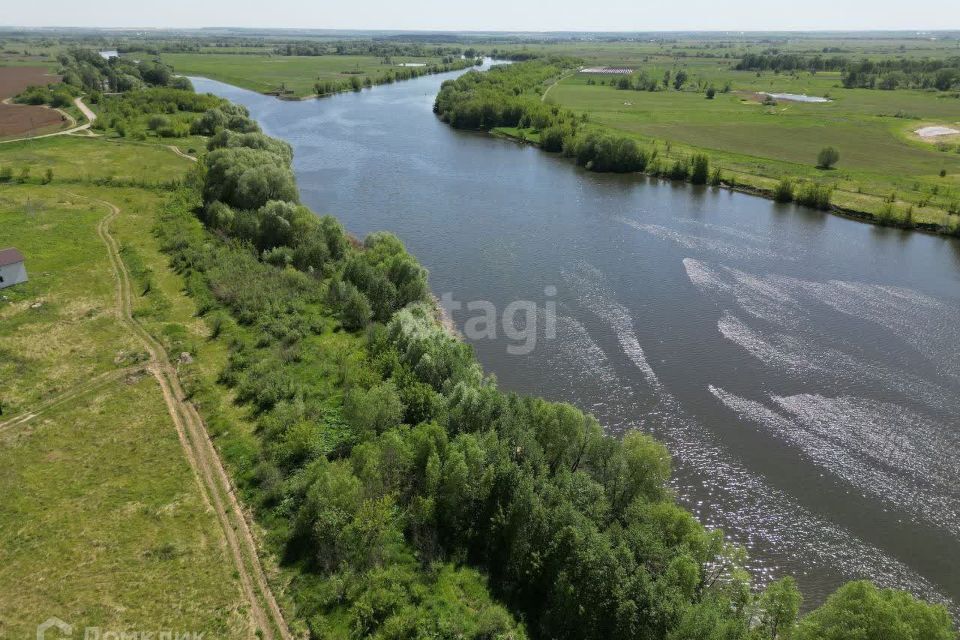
(84, 109)
(177, 151)
(211, 476)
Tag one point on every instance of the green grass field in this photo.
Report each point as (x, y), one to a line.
(104, 524)
(271, 73)
(757, 144)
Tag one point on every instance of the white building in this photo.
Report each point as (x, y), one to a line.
(12, 269)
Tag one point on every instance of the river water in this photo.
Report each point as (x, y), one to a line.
(803, 369)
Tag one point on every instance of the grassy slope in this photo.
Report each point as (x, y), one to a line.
(106, 525)
(265, 73)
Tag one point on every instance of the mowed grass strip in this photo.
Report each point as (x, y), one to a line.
(102, 523)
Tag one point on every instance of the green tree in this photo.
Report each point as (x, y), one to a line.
(699, 169)
(827, 157)
(861, 611)
(779, 605)
(374, 410)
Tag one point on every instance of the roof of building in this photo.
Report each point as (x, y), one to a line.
(10, 256)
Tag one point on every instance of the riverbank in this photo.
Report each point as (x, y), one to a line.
(304, 77)
(531, 137)
(511, 101)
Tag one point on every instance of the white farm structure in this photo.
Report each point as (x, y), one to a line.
(12, 269)
(622, 71)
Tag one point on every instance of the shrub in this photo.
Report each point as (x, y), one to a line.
(699, 169)
(827, 157)
(157, 121)
(783, 192)
(680, 170)
(716, 179)
(711, 92)
(813, 195)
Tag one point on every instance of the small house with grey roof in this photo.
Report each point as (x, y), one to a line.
(12, 269)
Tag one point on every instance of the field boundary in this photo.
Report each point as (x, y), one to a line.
(84, 109)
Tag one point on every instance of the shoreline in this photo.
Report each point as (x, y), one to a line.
(837, 210)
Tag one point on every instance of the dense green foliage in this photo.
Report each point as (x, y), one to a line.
(892, 73)
(509, 96)
(166, 112)
(827, 157)
(860, 611)
(396, 74)
(388, 463)
(88, 70)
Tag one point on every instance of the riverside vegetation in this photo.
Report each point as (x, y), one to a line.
(406, 493)
(403, 492)
(705, 98)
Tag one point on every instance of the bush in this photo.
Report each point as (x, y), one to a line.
(813, 195)
(157, 121)
(860, 610)
(827, 157)
(680, 170)
(699, 169)
(783, 192)
(248, 178)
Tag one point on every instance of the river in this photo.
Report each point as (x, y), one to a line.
(803, 368)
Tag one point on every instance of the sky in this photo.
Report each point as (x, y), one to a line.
(489, 15)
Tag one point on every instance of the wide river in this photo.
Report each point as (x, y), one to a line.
(803, 369)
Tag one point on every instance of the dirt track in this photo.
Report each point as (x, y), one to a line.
(90, 115)
(202, 455)
(215, 486)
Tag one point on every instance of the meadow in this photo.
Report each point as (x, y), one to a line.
(105, 524)
(883, 164)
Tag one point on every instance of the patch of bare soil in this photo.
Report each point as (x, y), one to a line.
(13, 80)
(21, 119)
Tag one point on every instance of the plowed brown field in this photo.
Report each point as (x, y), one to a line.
(13, 80)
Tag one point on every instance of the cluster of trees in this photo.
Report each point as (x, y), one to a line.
(790, 62)
(892, 73)
(942, 75)
(398, 74)
(505, 96)
(416, 497)
(509, 96)
(378, 48)
(164, 111)
(57, 96)
(809, 194)
(86, 69)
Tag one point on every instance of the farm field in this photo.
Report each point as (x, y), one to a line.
(106, 525)
(882, 160)
(17, 119)
(271, 73)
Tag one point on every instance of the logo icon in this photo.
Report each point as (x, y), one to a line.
(65, 629)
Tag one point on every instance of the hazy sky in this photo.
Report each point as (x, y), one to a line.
(505, 15)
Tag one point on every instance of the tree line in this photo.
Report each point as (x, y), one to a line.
(942, 74)
(399, 74)
(411, 494)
